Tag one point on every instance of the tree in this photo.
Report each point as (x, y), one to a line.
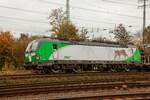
(122, 35)
(21, 44)
(7, 49)
(137, 39)
(62, 28)
(147, 35)
(12, 50)
(83, 34)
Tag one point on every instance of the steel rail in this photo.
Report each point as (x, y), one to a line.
(27, 76)
(134, 96)
(66, 86)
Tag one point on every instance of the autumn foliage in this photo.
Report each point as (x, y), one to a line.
(147, 35)
(12, 49)
(122, 35)
(62, 28)
(7, 49)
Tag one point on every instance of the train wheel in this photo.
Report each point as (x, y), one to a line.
(126, 68)
(77, 69)
(95, 67)
(46, 70)
(119, 68)
(113, 68)
(100, 68)
(56, 69)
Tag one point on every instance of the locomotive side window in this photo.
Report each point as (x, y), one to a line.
(32, 46)
(55, 46)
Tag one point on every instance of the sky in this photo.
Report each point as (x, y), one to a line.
(31, 16)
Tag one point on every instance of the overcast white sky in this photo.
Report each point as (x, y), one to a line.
(31, 15)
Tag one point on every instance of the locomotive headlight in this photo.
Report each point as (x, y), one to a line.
(26, 55)
(33, 63)
(37, 57)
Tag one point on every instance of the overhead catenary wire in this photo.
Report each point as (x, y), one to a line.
(91, 10)
(101, 6)
(116, 2)
(108, 12)
(82, 19)
(87, 9)
(44, 13)
(131, 2)
(31, 11)
(21, 19)
(37, 12)
(76, 18)
(44, 22)
(33, 21)
(23, 10)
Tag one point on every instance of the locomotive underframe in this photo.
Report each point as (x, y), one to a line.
(63, 66)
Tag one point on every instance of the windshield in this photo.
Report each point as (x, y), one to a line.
(32, 46)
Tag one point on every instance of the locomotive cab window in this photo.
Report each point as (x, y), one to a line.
(55, 46)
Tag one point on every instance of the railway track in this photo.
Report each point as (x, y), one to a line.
(27, 76)
(107, 82)
(136, 96)
(57, 87)
(101, 77)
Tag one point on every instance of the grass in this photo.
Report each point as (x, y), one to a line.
(14, 71)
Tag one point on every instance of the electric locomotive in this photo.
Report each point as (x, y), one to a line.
(49, 55)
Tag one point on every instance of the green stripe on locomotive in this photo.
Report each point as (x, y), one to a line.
(46, 49)
(43, 51)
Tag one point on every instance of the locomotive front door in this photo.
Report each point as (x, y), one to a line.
(56, 52)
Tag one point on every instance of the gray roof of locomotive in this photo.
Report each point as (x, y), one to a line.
(83, 43)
